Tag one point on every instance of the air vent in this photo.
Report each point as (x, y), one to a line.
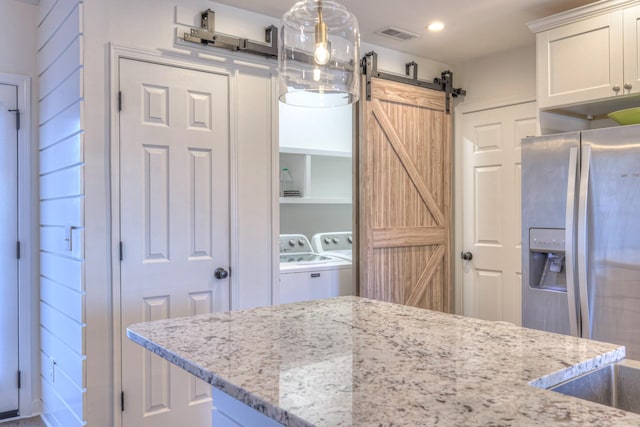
(397, 33)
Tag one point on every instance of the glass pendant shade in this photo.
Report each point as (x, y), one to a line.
(318, 55)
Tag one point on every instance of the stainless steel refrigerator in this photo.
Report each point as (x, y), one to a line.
(581, 235)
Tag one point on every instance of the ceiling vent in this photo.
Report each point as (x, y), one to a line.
(397, 33)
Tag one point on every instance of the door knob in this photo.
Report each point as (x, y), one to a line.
(467, 256)
(628, 86)
(616, 88)
(221, 273)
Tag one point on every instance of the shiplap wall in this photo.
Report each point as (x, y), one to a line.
(61, 131)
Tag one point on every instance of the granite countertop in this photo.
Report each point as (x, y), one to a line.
(351, 361)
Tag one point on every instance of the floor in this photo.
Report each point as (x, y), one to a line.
(26, 422)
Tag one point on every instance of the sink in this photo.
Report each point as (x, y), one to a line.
(616, 385)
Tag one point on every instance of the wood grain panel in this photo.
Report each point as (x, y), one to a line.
(404, 202)
(408, 236)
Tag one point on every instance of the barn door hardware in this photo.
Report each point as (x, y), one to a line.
(206, 35)
(444, 83)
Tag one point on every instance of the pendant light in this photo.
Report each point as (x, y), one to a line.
(318, 55)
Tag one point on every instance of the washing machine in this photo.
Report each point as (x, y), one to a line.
(338, 244)
(305, 275)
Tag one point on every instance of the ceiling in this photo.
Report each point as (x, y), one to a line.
(474, 28)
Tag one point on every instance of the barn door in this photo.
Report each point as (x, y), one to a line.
(405, 196)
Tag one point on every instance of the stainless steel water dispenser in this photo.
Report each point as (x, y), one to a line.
(546, 259)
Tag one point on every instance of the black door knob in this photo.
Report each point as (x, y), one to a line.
(221, 273)
(467, 256)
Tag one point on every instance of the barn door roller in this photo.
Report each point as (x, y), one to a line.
(369, 67)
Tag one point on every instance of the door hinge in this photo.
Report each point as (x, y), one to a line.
(122, 401)
(17, 118)
(121, 252)
(120, 101)
(19, 379)
(18, 249)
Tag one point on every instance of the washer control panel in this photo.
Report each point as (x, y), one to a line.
(294, 243)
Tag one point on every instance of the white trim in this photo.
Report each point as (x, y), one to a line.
(275, 192)
(458, 204)
(578, 14)
(28, 318)
(234, 228)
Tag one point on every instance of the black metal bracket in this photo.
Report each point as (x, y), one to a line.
(369, 66)
(206, 35)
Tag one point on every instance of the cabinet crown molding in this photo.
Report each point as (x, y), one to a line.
(578, 14)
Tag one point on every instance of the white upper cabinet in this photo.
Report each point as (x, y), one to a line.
(631, 50)
(588, 54)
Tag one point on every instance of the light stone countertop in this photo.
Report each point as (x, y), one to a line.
(351, 361)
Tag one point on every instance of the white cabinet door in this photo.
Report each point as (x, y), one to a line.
(580, 62)
(8, 258)
(631, 50)
(174, 182)
(491, 210)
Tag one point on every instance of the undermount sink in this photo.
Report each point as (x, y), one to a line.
(616, 385)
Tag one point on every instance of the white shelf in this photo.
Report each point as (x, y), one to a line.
(315, 200)
(315, 152)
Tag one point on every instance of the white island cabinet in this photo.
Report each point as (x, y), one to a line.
(352, 361)
(588, 54)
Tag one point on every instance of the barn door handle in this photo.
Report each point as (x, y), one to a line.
(221, 273)
(467, 256)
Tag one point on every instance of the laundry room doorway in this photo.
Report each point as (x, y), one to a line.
(316, 193)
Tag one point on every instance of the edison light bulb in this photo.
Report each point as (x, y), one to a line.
(321, 54)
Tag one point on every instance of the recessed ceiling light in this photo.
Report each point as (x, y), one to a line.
(435, 26)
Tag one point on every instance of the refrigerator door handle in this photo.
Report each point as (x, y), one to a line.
(582, 242)
(569, 241)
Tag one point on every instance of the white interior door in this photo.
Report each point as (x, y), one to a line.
(8, 258)
(174, 185)
(491, 210)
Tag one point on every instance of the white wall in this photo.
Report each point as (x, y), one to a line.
(17, 50)
(312, 219)
(503, 78)
(17, 45)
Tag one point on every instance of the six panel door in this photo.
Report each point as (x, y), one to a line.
(174, 186)
(491, 228)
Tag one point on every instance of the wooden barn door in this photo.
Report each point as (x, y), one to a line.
(405, 196)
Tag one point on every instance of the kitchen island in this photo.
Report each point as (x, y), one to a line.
(351, 361)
